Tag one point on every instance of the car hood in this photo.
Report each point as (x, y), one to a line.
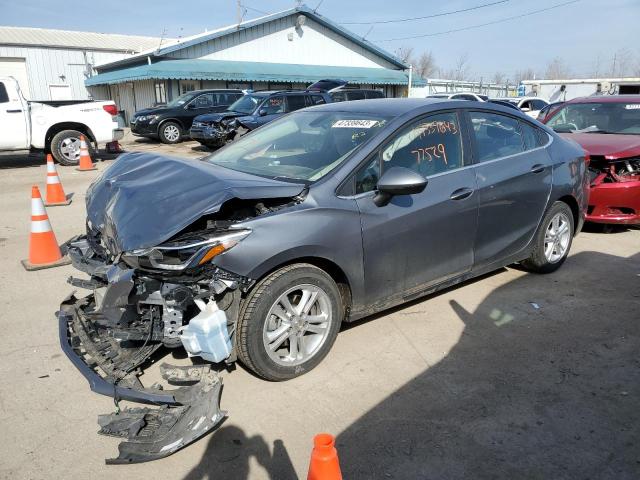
(150, 111)
(610, 146)
(216, 117)
(143, 199)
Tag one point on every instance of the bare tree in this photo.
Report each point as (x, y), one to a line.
(425, 66)
(524, 74)
(557, 69)
(405, 54)
(621, 63)
(499, 78)
(462, 67)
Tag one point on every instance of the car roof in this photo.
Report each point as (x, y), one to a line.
(382, 106)
(607, 99)
(207, 90)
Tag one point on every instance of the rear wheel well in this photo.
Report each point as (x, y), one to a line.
(59, 127)
(329, 267)
(575, 209)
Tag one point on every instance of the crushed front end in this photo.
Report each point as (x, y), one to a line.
(113, 333)
(215, 133)
(615, 191)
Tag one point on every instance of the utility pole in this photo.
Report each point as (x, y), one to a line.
(239, 11)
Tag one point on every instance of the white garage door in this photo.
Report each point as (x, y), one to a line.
(16, 67)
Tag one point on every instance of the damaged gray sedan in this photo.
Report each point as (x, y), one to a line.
(258, 252)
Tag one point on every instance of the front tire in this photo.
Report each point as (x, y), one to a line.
(65, 147)
(170, 133)
(289, 322)
(553, 240)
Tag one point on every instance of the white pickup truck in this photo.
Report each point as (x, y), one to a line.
(53, 126)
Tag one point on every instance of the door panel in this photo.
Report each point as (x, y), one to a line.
(418, 240)
(13, 120)
(513, 190)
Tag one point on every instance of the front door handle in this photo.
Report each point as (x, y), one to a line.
(14, 111)
(461, 193)
(537, 168)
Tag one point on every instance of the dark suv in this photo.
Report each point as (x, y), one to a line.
(250, 112)
(170, 122)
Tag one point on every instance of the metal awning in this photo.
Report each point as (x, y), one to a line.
(251, 72)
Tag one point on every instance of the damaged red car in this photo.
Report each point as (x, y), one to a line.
(608, 128)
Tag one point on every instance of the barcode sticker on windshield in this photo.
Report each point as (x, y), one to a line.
(354, 124)
(632, 106)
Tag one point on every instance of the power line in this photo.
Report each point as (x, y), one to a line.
(255, 9)
(410, 19)
(479, 25)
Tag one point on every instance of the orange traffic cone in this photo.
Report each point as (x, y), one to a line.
(44, 251)
(324, 463)
(55, 192)
(85, 159)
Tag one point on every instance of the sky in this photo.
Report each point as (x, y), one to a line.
(583, 34)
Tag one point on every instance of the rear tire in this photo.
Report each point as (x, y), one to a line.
(312, 332)
(552, 241)
(65, 147)
(170, 133)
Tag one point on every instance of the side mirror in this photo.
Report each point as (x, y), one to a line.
(262, 112)
(398, 181)
(191, 106)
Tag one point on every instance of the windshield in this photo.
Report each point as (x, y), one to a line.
(246, 104)
(181, 100)
(605, 117)
(301, 146)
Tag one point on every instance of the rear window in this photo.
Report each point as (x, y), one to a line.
(338, 97)
(4, 98)
(316, 100)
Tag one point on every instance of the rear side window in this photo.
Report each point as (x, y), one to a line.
(296, 102)
(338, 97)
(496, 135)
(529, 136)
(374, 94)
(4, 98)
(355, 95)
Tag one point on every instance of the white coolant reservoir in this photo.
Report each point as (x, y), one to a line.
(206, 335)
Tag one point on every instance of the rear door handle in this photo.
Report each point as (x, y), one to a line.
(461, 193)
(537, 168)
(14, 111)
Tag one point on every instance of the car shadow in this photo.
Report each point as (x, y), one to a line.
(543, 383)
(34, 159)
(229, 452)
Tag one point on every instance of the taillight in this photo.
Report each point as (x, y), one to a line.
(110, 109)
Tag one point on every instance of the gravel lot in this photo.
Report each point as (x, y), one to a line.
(474, 382)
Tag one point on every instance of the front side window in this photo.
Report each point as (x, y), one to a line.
(496, 135)
(538, 104)
(203, 101)
(273, 105)
(429, 146)
(296, 102)
(338, 97)
(606, 117)
(304, 146)
(374, 94)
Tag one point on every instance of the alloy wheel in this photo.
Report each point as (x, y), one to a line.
(297, 325)
(70, 148)
(171, 133)
(557, 238)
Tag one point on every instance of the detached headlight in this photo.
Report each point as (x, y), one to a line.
(183, 254)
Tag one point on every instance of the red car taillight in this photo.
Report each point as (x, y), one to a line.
(110, 109)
